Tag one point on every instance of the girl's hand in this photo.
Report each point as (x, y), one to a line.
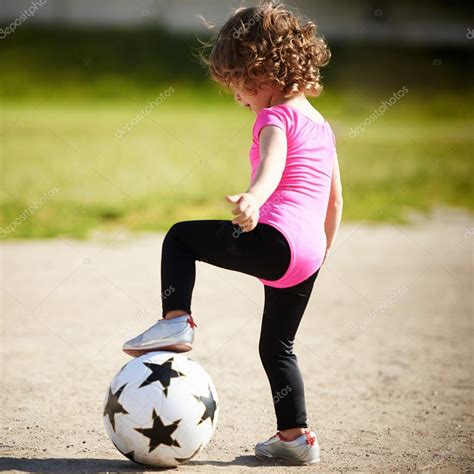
(247, 210)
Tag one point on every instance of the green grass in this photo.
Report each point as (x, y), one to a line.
(64, 92)
(181, 161)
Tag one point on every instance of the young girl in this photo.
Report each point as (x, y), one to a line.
(284, 224)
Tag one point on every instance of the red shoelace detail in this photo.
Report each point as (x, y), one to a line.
(191, 322)
(310, 438)
(281, 437)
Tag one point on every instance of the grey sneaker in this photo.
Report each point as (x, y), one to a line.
(175, 335)
(302, 450)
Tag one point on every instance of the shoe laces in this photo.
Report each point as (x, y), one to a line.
(279, 436)
(310, 438)
(191, 322)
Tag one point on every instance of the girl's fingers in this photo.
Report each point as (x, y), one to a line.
(239, 209)
(244, 208)
(243, 217)
(250, 226)
(245, 204)
(250, 221)
(239, 220)
(236, 210)
(242, 220)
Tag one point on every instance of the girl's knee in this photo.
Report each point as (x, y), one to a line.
(177, 228)
(273, 352)
(177, 231)
(266, 351)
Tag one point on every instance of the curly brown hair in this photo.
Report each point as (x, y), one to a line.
(268, 45)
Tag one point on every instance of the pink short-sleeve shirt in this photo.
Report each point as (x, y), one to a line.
(298, 206)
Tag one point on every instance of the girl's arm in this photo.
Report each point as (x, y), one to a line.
(334, 211)
(273, 150)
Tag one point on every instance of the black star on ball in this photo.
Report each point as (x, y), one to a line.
(130, 455)
(113, 405)
(162, 373)
(210, 407)
(159, 433)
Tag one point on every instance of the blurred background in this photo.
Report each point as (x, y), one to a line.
(110, 121)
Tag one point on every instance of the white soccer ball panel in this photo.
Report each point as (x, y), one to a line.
(192, 437)
(125, 438)
(197, 377)
(178, 397)
(131, 374)
(141, 401)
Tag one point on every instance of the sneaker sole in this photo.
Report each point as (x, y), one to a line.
(172, 348)
(275, 458)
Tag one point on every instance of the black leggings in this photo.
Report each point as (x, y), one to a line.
(263, 253)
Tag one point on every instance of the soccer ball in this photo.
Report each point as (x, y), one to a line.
(161, 409)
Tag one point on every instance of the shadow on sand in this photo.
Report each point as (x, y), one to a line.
(110, 465)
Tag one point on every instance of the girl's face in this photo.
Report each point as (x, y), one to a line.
(253, 102)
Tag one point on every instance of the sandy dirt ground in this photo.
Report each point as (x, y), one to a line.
(385, 348)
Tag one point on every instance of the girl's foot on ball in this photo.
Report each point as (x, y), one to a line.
(176, 334)
(302, 450)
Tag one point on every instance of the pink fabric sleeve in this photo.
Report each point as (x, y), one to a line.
(332, 133)
(269, 117)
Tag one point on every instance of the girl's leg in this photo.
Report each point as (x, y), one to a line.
(283, 310)
(263, 252)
